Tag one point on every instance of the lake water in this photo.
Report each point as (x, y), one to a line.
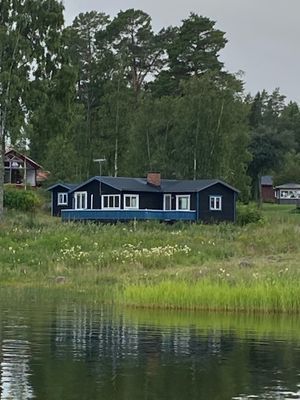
(52, 347)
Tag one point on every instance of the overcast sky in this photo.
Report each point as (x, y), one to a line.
(263, 35)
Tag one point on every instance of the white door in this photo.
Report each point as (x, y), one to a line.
(80, 200)
(167, 202)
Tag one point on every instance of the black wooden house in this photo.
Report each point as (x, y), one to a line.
(152, 198)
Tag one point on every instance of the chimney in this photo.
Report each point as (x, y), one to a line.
(153, 178)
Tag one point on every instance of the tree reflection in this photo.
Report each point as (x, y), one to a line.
(74, 351)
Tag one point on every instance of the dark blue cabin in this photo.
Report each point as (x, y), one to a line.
(60, 197)
(122, 199)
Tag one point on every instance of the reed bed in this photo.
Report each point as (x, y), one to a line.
(210, 296)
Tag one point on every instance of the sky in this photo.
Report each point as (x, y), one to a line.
(263, 35)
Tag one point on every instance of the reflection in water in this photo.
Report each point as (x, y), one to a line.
(15, 371)
(63, 350)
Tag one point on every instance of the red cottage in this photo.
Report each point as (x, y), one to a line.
(267, 189)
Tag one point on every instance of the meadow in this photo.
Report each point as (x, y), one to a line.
(182, 266)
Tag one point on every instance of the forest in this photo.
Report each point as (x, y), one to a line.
(112, 87)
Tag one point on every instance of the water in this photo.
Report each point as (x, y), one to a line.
(52, 347)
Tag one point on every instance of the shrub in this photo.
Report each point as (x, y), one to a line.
(247, 214)
(22, 200)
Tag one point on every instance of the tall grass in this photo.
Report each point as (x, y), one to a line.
(212, 296)
(228, 267)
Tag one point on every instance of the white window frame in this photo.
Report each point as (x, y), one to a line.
(180, 196)
(214, 199)
(92, 201)
(76, 195)
(169, 196)
(114, 196)
(63, 202)
(283, 194)
(289, 194)
(130, 196)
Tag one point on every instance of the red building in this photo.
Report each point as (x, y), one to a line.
(21, 170)
(267, 189)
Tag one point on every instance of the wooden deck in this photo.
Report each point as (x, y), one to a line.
(127, 215)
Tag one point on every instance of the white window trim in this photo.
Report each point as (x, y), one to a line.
(62, 203)
(214, 208)
(76, 194)
(108, 196)
(92, 201)
(167, 196)
(179, 196)
(283, 196)
(131, 196)
(291, 194)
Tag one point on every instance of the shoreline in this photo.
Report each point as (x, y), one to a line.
(229, 268)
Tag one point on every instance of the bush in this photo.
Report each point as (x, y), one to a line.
(247, 214)
(22, 200)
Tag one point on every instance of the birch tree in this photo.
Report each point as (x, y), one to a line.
(30, 34)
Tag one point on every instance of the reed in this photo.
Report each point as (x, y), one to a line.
(211, 296)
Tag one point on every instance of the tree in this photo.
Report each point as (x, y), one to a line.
(62, 159)
(140, 51)
(270, 136)
(290, 171)
(211, 133)
(30, 34)
(93, 65)
(267, 148)
(192, 50)
(114, 124)
(289, 121)
(55, 127)
(151, 146)
(196, 47)
(256, 110)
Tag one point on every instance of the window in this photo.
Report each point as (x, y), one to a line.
(215, 203)
(62, 199)
(111, 201)
(131, 201)
(183, 203)
(167, 202)
(80, 200)
(289, 194)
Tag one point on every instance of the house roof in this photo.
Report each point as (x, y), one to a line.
(192, 185)
(289, 186)
(266, 180)
(16, 153)
(167, 185)
(68, 186)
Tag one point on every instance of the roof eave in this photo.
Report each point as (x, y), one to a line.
(56, 185)
(22, 156)
(222, 183)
